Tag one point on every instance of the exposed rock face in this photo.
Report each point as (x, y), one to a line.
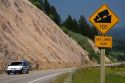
(27, 33)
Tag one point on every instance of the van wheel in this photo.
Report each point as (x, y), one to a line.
(22, 71)
(8, 73)
(14, 73)
(27, 72)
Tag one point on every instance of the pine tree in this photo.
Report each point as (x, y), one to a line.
(57, 19)
(68, 23)
(54, 15)
(38, 3)
(41, 2)
(84, 27)
(75, 26)
(95, 32)
(46, 6)
(82, 30)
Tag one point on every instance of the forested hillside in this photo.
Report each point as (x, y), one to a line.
(78, 26)
(76, 29)
(118, 50)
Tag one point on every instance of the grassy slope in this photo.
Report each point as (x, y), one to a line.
(83, 42)
(61, 78)
(92, 75)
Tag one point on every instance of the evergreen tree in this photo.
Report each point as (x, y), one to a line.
(54, 15)
(48, 9)
(38, 3)
(84, 27)
(75, 26)
(94, 32)
(81, 26)
(57, 19)
(68, 23)
(46, 6)
(41, 2)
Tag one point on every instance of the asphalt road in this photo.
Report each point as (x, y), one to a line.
(43, 76)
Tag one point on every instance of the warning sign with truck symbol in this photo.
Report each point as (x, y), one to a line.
(104, 19)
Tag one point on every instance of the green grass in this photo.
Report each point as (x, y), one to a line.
(83, 42)
(92, 75)
(61, 78)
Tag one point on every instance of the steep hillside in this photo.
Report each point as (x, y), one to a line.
(87, 44)
(97, 51)
(27, 33)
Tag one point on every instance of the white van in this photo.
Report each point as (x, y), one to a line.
(19, 67)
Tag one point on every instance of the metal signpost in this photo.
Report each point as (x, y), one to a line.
(103, 19)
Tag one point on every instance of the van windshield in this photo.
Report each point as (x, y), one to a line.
(16, 64)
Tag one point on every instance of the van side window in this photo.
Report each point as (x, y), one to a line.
(25, 63)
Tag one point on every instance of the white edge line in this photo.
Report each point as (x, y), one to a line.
(45, 77)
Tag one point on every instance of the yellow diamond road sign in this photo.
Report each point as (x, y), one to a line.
(104, 19)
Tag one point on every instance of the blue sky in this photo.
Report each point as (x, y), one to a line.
(87, 7)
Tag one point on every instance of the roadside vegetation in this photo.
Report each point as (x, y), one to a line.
(83, 42)
(61, 78)
(117, 53)
(92, 75)
(81, 27)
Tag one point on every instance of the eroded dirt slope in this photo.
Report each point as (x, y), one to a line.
(27, 33)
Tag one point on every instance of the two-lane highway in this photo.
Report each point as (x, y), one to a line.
(43, 76)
